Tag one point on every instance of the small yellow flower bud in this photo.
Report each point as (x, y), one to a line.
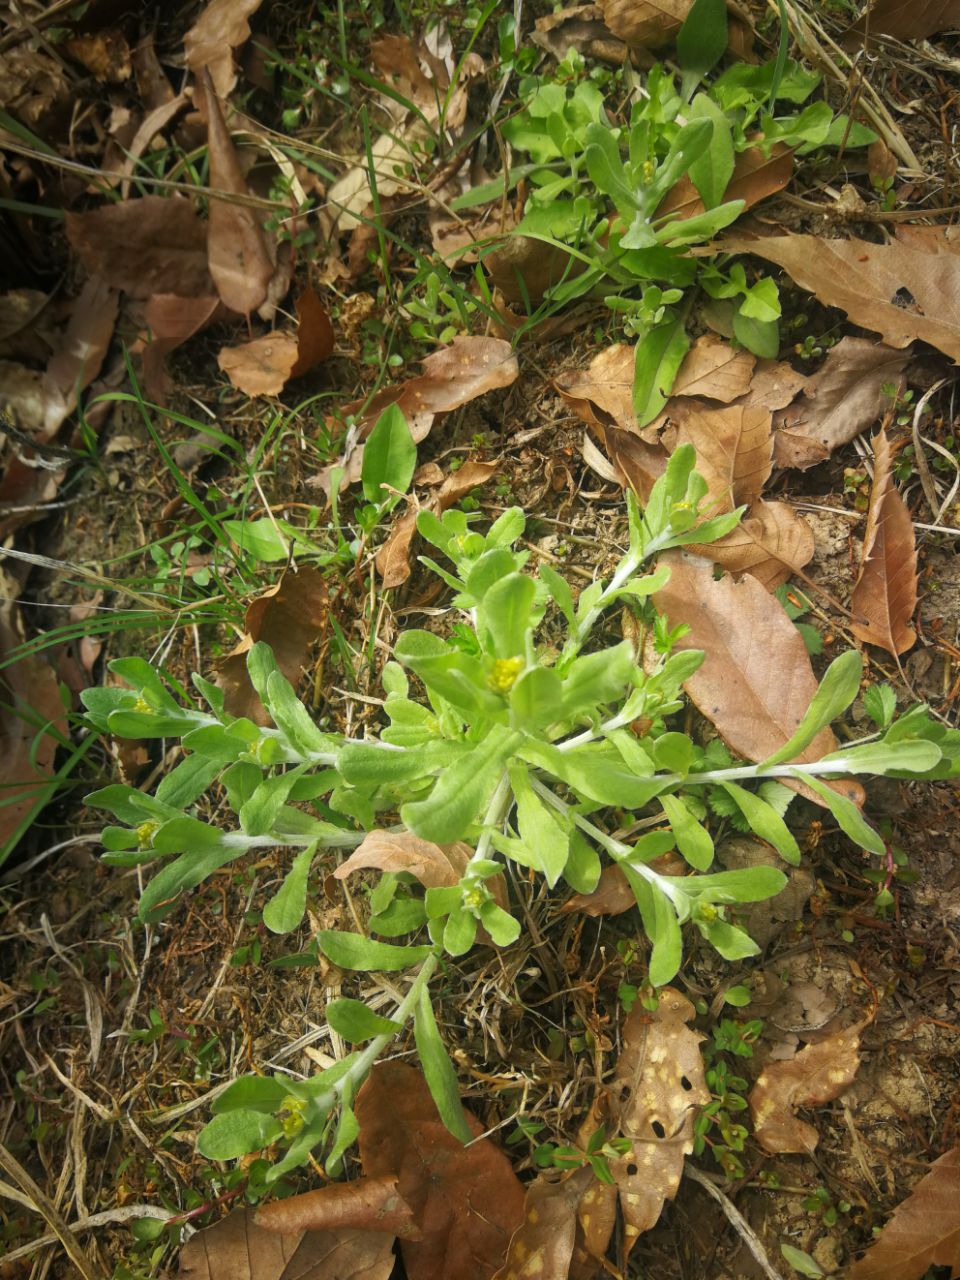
(145, 834)
(291, 1117)
(143, 705)
(504, 674)
(649, 171)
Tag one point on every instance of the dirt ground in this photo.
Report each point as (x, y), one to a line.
(114, 1039)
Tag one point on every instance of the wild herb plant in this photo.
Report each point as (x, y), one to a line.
(520, 749)
(596, 189)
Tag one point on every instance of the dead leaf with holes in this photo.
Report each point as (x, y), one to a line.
(847, 394)
(393, 558)
(236, 1248)
(756, 681)
(238, 255)
(653, 1096)
(222, 27)
(289, 617)
(905, 20)
(906, 289)
(923, 1232)
(373, 1204)
(467, 1200)
(818, 1073)
(452, 376)
(885, 594)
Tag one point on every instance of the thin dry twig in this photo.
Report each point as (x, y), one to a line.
(736, 1220)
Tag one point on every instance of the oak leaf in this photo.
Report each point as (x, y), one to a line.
(816, 1074)
(235, 1248)
(923, 1232)
(467, 1200)
(903, 290)
(885, 594)
(756, 680)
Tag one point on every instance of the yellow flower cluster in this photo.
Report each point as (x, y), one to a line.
(504, 674)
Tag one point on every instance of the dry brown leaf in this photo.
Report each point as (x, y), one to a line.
(906, 19)
(734, 449)
(542, 1246)
(612, 896)
(602, 394)
(315, 336)
(523, 267)
(468, 1200)
(771, 543)
(844, 397)
(156, 244)
(237, 252)
(904, 290)
(755, 176)
(31, 703)
(656, 1088)
(774, 385)
(582, 28)
(373, 1204)
(396, 61)
(171, 320)
(711, 368)
(105, 54)
(393, 558)
(452, 376)
(288, 617)
(885, 594)
(235, 1248)
(432, 864)
(222, 27)
(923, 1232)
(260, 367)
(645, 24)
(756, 680)
(816, 1074)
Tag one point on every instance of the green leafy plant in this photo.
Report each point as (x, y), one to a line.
(715, 1127)
(596, 189)
(519, 751)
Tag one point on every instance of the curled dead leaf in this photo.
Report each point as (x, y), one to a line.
(844, 397)
(755, 176)
(373, 1204)
(393, 558)
(289, 617)
(885, 595)
(580, 27)
(235, 1248)
(156, 244)
(237, 253)
(222, 27)
(816, 1074)
(542, 1246)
